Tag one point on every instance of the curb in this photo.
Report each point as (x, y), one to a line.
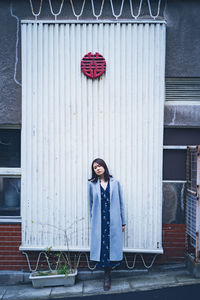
(20, 277)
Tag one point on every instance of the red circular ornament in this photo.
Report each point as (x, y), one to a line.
(93, 65)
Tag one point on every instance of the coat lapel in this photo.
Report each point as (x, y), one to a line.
(111, 187)
(98, 190)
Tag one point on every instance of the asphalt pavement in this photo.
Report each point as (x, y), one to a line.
(172, 293)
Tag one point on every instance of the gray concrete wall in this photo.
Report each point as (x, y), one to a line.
(10, 92)
(181, 115)
(183, 38)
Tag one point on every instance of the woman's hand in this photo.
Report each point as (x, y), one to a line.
(123, 228)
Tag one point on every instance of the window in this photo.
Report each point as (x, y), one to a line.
(174, 164)
(176, 141)
(10, 174)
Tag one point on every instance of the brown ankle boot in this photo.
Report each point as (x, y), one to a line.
(107, 280)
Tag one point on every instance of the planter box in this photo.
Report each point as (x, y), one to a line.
(53, 280)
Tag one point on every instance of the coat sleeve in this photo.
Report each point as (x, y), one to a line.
(90, 198)
(121, 204)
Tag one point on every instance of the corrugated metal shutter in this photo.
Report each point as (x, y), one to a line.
(68, 120)
(182, 89)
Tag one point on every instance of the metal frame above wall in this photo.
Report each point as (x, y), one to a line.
(152, 10)
(146, 21)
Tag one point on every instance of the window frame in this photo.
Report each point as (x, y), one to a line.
(168, 147)
(177, 147)
(11, 173)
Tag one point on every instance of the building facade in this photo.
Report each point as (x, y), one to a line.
(139, 116)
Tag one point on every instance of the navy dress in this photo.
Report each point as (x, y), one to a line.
(105, 231)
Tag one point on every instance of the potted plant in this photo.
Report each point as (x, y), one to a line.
(65, 271)
(63, 274)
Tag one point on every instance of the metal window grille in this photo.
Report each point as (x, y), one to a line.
(192, 198)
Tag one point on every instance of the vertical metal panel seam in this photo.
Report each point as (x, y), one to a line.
(45, 99)
(23, 204)
(157, 137)
(39, 130)
(163, 53)
(85, 143)
(62, 150)
(140, 127)
(80, 207)
(135, 41)
(29, 133)
(151, 106)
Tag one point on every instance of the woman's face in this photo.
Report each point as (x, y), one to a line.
(99, 170)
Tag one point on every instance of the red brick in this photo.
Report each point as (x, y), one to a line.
(9, 233)
(10, 239)
(4, 248)
(14, 243)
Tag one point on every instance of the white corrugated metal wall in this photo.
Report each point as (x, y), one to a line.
(68, 120)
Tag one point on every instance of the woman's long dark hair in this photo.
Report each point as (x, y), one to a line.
(102, 163)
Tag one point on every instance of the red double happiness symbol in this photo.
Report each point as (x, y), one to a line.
(93, 65)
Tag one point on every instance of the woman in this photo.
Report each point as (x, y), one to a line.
(107, 219)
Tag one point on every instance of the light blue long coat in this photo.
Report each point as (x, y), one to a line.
(117, 218)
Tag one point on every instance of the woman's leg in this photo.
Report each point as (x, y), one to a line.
(107, 278)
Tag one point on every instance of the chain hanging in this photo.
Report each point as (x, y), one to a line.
(81, 12)
(148, 267)
(47, 259)
(88, 263)
(51, 8)
(150, 11)
(113, 12)
(97, 15)
(86, 255)
(39, 11)
(101, 9)
(134, 260)
(37, 263)
(139, 9)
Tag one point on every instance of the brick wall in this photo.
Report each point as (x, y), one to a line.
(10, 256)
(173, 243)
(12, 259)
